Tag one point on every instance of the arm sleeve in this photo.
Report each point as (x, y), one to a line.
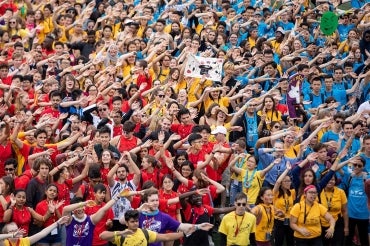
(325, 180)
(252, 239)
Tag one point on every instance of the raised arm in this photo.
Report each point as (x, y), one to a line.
(281, 177)
(35, 238)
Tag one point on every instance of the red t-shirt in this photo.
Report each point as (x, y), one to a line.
(22, 181)
(42, 208)
(182, 130)
(101, 225)
(195, 158)
(27, 149)
(63, 191)
(164, 207)
(5, 154)
(7, 199)
(196, 211)
(155, 176)
(22, 217)
(181, 189)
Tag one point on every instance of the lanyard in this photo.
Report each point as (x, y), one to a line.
(306, 214)
(269, 217)
(238, 226)
(18, 242)
(248, 181)
(328, 199)
(286, 203)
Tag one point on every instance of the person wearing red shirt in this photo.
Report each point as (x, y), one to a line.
(143, 76)
(5, 146)
(86, 191)
(205, 132)
(62, 180)
(165, 194)
(104, 223)
(6, 190)
(150, 171)
(196, 152)
(127, 141)
(186, 125)
(20, 214)
(55, 99)
(43, 207)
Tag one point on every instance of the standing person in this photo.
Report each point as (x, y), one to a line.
(358, 212)
(105, 222)
(37, 186)
(80, 227)
(238, 227)
(264, 212)
(284, 198)
(51, 194)
(305, 219)
(335, 200)
(117, 180)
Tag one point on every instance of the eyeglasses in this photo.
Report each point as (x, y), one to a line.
(253, 105)
(241, 204)
(339, 121)
(312, 192)
(103, 109)
(161, 96)
(9, 169)
(357, 165)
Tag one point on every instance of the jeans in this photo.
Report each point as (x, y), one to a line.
(235, 188)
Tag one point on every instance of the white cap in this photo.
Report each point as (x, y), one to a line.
(219, 129)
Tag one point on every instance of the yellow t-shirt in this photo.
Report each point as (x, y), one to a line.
(284, 203)
(308, 217)
(138, 238)
(336, 200)
(161, 75)
(252, 183)
(242, 164)
(222, 101)
(293, 151)
(191, 88)
(271, 116)
(212, 138)
(22, 242)
(266, 222)
(237, 228)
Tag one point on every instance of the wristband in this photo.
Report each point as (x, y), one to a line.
(196, 227)
(80, 205)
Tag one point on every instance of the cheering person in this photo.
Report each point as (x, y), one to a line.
(305, 220)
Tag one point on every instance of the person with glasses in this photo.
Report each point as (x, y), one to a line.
(335, 129)
(10, 166)
(358, 213)
(238, 227)
(305, 219)
(284, 197)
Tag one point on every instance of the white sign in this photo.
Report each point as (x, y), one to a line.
(197, 66)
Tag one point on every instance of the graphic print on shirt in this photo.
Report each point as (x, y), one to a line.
(81, 230)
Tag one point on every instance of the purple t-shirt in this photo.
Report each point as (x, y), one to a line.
(158, 222)
(80, 233)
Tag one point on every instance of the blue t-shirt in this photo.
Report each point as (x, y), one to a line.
(315, 100)
(357, 198)
(329, 136)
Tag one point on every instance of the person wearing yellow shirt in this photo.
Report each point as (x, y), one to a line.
(284, 198)
(305, 219)
(335, 200)
(252, 179)
(194, 87)
(268, 114)
(264, 212)
(238, 227)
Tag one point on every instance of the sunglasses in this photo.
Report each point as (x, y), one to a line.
(161, 96)
(9, 169)
(339, 121)
(357, 165)
(103, 109)
(241, 204)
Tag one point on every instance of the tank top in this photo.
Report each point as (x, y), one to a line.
(127, 144)
(80, 233)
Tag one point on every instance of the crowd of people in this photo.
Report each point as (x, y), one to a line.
(105, 141)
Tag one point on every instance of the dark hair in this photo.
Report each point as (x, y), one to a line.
(302, 185)
(104, 129)
(99, 187)
(318, 147)
(128, 126)
(9, 181)
(94, 171)
(261, 193)
(131, 214)
(194, 136)
(11, 161)
(40, 131)
(181, 112)
(39, 161)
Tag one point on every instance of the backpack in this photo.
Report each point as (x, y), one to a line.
(348, 184)
(322, 97)
(146, 234)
